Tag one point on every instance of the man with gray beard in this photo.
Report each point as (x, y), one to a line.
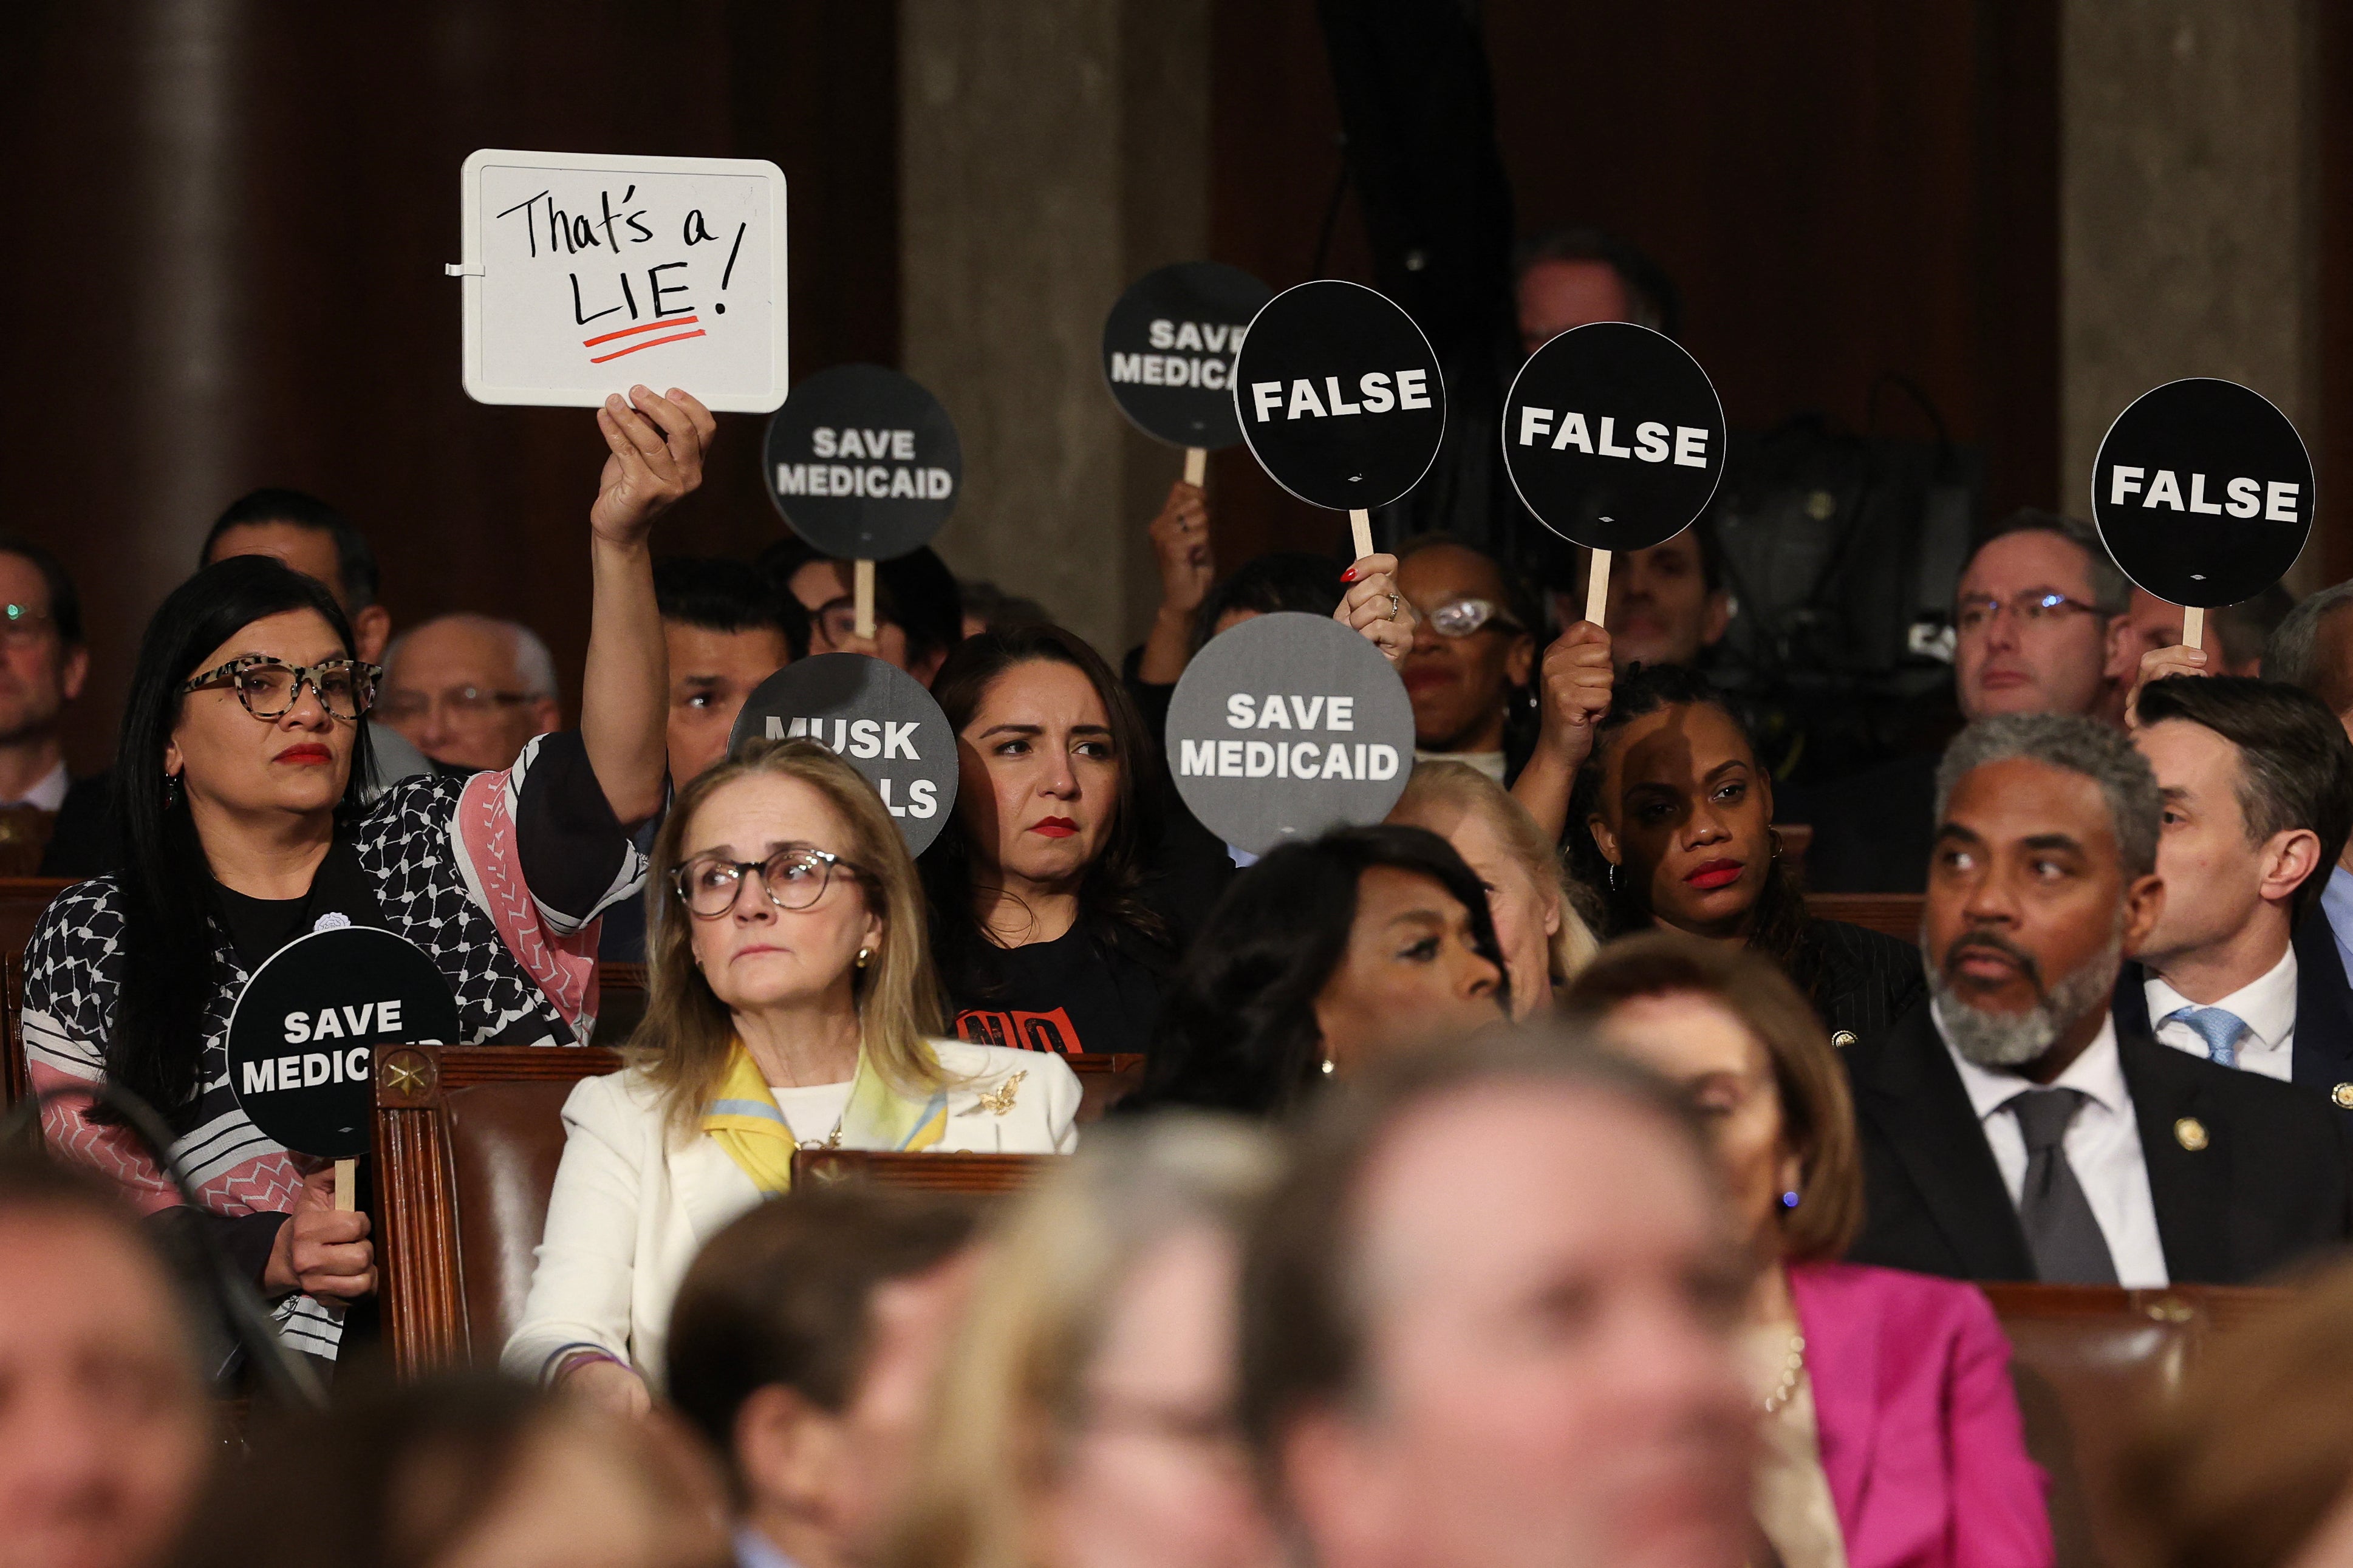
(2011, 1129)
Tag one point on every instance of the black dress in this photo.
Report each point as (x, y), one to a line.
(1861, 980)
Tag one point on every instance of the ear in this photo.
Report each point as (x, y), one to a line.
(1717, 619)
(1604, 839)
(787, 1451)
(1552, 909)
(371, 629)
(73, 671)
(2143, 904)
(173, 760)
(2291, 856)
(2121, 664)
(1520, 663)
(548, 715)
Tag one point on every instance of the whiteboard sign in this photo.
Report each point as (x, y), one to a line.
(586, 276)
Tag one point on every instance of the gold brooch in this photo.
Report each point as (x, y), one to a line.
(1000, 1099)
(2190, 1133)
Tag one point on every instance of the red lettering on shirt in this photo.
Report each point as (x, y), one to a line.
(1021, 1031)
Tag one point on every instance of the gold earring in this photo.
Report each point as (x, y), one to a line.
(865, 957)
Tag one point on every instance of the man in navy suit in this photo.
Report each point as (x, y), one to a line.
(2257, 780)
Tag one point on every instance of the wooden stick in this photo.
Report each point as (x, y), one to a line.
(1197, 466)
(1597, 588)
(1360, 523)
(2193, 626)
(346, 1184)
(862, 573)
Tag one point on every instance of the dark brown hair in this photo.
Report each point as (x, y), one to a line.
(1817, 1110)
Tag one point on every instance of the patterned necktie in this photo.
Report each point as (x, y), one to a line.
(2219, 1028)
(2061, 1229)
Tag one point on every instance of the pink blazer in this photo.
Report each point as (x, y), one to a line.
(1921, 1437)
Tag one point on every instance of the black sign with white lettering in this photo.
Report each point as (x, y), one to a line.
(878, 719)
(863, 462)
(1169, 349)
(303, 1038)
(2202, 492)
(1339, 395)
(1614, 436)
(1287, 725)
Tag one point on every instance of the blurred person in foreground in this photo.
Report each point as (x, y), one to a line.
(808, 1336)
(464, 1470)
(1086, 1419)
(1891, 1434)
(1444, 1365)
(469, 691)
(105, 1419)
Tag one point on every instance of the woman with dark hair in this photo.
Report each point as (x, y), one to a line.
(1323, 956)
(1057, 908)
(1678, 835)
(238, 775)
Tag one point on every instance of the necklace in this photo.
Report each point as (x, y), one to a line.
(1792, 1369)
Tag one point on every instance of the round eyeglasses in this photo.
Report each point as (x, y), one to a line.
(793, 878)
(268, 688)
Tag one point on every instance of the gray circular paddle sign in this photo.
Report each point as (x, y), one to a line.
(1285, 726)
(863, 462)
(1614, 436)
(302, 1036)
(875, 717)
(1339, 395)
(2202, 492)
(1169, 348)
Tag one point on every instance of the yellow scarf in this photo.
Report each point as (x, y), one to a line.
(743, 1119)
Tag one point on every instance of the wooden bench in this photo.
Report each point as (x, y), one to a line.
(1896, 914)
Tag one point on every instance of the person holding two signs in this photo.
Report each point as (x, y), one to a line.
(239, 774)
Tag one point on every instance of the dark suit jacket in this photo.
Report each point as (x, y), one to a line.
(1868, 979)
(83, 844)
(2273, 1183)
(2323, 1058)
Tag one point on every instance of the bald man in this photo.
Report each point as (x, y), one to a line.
(467, 690)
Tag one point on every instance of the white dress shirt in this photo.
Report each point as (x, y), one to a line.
(50, 793)
(2103, 1145)
(2266, 1005)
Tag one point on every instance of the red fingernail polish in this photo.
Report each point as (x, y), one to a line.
(1349, 575)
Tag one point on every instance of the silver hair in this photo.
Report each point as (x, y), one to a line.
(535, 665)
(2111, 589)
(2293, 656)
(2098, 752)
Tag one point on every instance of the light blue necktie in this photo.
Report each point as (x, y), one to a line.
(2218, 1027)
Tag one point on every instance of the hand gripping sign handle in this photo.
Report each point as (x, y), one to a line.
(1197, 466)
(1597, 588)
(346, 1184)
(862, 578)
(2193, 626)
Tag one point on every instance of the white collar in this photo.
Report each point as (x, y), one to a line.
(2099, 1073)
(2266, 1004)
(50, 793)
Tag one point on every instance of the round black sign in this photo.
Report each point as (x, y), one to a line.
(1339, 395)
(1286, 725)
(2202, 492)
(863, 462)
(1169, 349)
(878, 719)
(1614, 436)
(301, 1039)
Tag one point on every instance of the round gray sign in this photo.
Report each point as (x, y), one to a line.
(1285, 726)
(875, 717)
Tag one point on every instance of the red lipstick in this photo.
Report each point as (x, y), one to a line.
(306, 755)
(1710, 875)
(1054, 826)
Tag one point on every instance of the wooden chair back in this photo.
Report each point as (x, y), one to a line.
(978, 1175)
(1896, 914)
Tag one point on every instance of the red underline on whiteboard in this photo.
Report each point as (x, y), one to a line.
(640, 327)
(648, 343)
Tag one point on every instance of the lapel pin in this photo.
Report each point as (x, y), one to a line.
(2343, 1095)
(2190, 1133)
(1000, 1099)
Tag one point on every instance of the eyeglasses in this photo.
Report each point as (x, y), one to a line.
(268, 689)
(2031, 608)
(22, 623)
(793, 878)
(1461, 618)
(836, 621)
(464, 702)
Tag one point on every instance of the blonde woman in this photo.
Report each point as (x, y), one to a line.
(1085, 1419)
(791, 1004)
(1544, 941)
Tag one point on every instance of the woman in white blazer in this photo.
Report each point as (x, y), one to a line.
(790, 1004)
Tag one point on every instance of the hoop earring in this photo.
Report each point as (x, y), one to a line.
(1773, 835)
(1613, 875)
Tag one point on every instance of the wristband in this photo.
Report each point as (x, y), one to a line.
(581, 1355)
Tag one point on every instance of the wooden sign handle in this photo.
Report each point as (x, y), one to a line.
(863, 588)
(1360, 523)
(1597, 588)
(2193, 626)
(1197, 466)
(346, 1185)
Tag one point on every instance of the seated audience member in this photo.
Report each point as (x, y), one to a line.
(2257, 780)
(790, 1004)
(1677, 819)
(1668, 603)
(1056, 915)
(2249, 1465)
(2012, 1130)
(469, 690)
(463, 1471)
(726, 629)
(1891, 1433)
(806, 1339)
(1489, 1316)
(2313, 651)
(1271, 585)
(104, 1424)
(2237, 632)
(48, 822)
(918, 612)
(1323, 956)
(1086, 1419)
(1575, 277)
(990, 608)
(1543, 937)
(2031, 623)
(246, 737)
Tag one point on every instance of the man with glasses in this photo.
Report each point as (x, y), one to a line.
(42, 667)
(469, 691)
